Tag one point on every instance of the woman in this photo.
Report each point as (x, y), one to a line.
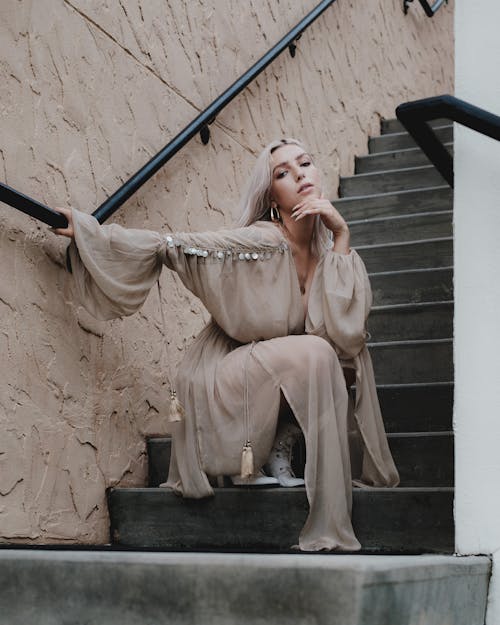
(288, 307)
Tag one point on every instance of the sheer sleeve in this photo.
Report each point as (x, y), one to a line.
(113, 268)
(341, 301)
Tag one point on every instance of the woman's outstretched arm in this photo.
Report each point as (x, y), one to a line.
(113, 268)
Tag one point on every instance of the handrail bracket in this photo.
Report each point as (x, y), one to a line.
(430, 11)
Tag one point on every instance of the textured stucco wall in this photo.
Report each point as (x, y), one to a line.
(88, 92)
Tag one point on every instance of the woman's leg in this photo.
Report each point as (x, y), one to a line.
(313, 384)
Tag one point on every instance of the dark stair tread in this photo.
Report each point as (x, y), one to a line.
(408, 520)
(398, 140)
(388, 126)
(423, 458)
(390, 180)
(421, 254)
(404, 362)
(395, 202)
(423, 320)
(399, 228)
(394, 159)
(424, 407)
(412, 285)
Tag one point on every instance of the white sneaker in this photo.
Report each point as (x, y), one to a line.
(259, 479)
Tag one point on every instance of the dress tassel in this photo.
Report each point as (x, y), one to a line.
(247, 461)
(176, 411)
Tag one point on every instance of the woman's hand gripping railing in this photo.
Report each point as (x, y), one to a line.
(32, 207)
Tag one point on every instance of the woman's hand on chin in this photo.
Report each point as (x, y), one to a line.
(330, 216)
(69, 231)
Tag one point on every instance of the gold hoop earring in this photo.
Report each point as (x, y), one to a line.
(275, 214)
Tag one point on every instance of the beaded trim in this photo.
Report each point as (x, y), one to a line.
(219, 254)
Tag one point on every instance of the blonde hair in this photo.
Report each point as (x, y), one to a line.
(256, 198)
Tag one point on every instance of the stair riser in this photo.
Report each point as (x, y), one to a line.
(421, 460)
(270, 520)
(385, 161)
(367, 184)
(429, 322)
(429, 285)
(402, 203)
(424, 460)
(430, 226)
(388, 126)
(416, 408)
(422, 255)
(396, 363)
(400, 141)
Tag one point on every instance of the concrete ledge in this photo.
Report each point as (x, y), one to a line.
(77, 588)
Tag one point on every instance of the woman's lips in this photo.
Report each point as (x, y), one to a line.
(306, 187)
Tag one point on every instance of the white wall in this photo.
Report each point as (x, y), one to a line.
(477, 292)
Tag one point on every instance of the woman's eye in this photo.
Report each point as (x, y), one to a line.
(281, 174)
(305, 164)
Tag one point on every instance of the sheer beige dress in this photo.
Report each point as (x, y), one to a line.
(257, 344)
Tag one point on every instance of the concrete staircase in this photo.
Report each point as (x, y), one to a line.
(399, 212)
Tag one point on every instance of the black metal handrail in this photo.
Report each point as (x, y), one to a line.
(415, 115)
(199, 124)
(430, 11)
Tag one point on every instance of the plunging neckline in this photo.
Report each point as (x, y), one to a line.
(305, 304)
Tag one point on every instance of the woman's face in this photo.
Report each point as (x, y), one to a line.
(294, 177)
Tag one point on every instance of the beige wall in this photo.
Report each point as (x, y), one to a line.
(89, 90)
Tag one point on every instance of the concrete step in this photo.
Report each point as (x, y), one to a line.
(418, 226)
(403, 520)
(388, 126)
(392, 180)
(402, 140)
(430, 253)
(417, 407)
(409, 362)
(412, 286)
(395, 203)
(399, 159)
(130, 588)
(423, 458)
(402, 322)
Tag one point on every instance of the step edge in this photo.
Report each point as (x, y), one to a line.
(406, 133)
(405, 243)
(433, 188)
(410, 434)
(282, 491)
(411, 342)
(402, 385)
(402, 150)
(401, 171)
(372, 220)
(439, 434)
(410, 305)
(393, 272)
